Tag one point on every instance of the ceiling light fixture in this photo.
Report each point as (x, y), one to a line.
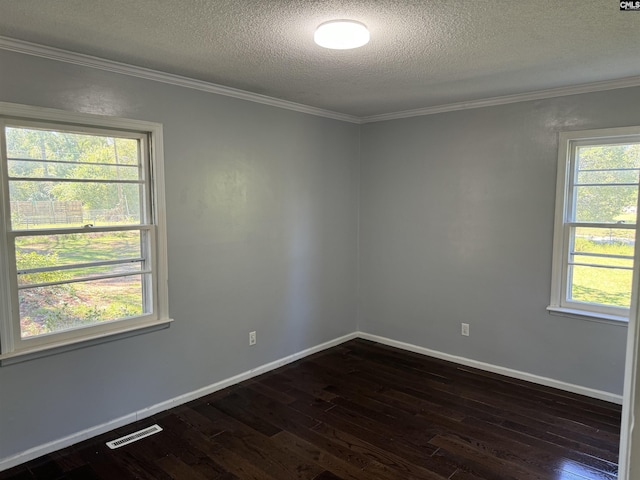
(342, 34)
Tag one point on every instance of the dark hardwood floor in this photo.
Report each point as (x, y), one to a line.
(361, 411)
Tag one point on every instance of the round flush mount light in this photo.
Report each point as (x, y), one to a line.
(341, 34)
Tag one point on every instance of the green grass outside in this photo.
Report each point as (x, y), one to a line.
(601, 285)
(55, 308)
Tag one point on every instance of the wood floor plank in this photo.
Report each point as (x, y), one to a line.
(229, 460)
(360, 411)
(380, 454)
(561, 453)
(198, 421)
(327, 476)
(20, 472)
(486, 460)
(176, 468)
(316, 454)
(487, 402)
(411, 443)
(271, 392)
(477, 386)
(269, 457)
(229, 406)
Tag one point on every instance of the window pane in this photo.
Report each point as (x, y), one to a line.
(60, 156)
(25, 143)
(62, 307)
(608, 176)
(610, 204)
(599, 157)
(607, 247)
(597, 259)
(600, 286)
(24, 169)
(78, 273)
(44, 204)
(609, 164)
(40, 251)
(609, 241)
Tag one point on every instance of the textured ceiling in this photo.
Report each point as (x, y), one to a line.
(422, 53)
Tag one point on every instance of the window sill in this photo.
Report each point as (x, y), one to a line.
(590, 316)
(54, 349)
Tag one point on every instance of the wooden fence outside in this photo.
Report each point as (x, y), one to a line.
(47, 212)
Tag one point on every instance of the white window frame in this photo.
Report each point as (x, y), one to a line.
(14, 349)
(568, 141)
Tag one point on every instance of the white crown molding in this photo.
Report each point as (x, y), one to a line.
(81, 59)
(503, 100)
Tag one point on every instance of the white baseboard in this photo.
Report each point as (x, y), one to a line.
(91, 432)
(508, 372)
(72, 439)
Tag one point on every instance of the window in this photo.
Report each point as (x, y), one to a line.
(595, 228)
(82, 227)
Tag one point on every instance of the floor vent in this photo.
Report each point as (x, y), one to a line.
(132, 437)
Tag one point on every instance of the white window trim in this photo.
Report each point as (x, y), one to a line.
(160, 319)
(558, 304)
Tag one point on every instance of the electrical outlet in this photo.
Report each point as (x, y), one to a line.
(465, 329)
(252, 338)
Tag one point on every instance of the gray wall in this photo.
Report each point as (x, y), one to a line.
(262, 235)
(456, 225)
